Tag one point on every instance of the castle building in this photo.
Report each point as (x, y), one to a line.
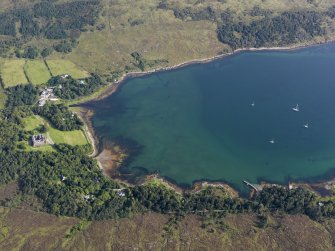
(38, 140)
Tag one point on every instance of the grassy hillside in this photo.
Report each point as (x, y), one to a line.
(154, 29)
(28, 230)
(160, 36)
(22, 228)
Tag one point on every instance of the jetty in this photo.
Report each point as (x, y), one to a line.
(256, 187)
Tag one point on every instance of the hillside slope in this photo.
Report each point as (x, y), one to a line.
(101, 35)
(28, 230)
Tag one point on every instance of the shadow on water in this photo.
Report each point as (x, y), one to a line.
(135, 174)
(117, 107)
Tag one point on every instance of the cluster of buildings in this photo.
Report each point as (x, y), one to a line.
(47, 95)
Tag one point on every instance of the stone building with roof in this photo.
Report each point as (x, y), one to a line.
(38, 140)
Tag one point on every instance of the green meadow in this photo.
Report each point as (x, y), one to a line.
(75, 137)
(21, 71)
(37, 71)
(32, 123)
(60, 66)
(12, 72)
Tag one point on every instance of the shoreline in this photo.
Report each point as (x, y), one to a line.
(114, 86)
(86, 114)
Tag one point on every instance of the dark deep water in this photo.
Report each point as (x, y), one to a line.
(198, 123)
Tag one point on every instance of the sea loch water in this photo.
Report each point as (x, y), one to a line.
(198, 123)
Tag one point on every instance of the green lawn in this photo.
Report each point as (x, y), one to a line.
(76, 137)
(31, 123)
(46, 148)
(60, 67)
(37, 71)
(12, 72)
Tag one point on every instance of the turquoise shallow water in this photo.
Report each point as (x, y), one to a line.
(197, 123)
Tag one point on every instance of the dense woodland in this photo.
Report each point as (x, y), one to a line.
(59, 116)
(48, 19)
(60, 20)
(21, 95)
(70, 88)
(285, 29)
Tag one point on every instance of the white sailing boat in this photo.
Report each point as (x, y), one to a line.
(306, 125)
(296, 108)
(252, 104)
(272, 141)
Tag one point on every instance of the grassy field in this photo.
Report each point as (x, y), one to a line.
(12, 72)
(31, 123)
(76, 137)
(60, 66)
(37, 71)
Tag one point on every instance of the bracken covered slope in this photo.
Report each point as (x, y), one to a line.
(28, 230)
